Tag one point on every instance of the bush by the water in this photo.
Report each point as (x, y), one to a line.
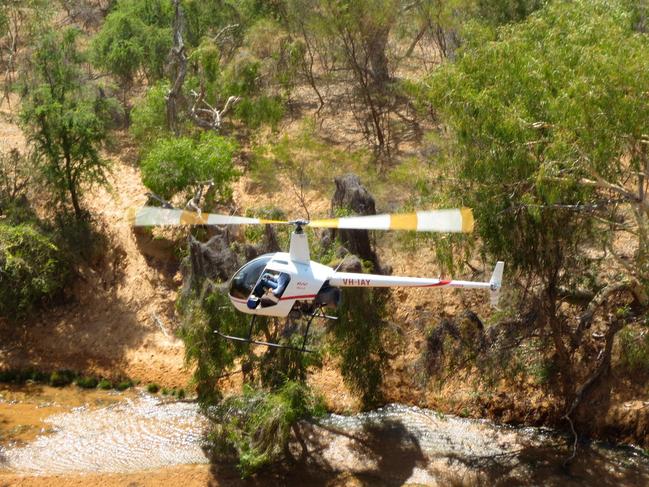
(257, 425)
(33, 269)
(124, 384)
(86, 382)
(60, 378)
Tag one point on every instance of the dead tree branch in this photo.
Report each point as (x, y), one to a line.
(205, 115)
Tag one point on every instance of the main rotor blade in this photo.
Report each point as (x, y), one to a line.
(453, 220)
(147, 216)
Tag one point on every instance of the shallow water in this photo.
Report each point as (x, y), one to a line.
(57, 431)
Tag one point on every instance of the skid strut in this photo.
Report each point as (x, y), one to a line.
(318, 313)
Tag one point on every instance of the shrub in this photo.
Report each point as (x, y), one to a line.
(153, 388)
(257, 424)
(263, 110)
(105, 384)
(60, 378)
(181, 393)
(124, 384)
(356, 337)
(148, 117)
(634, 351)
(33, 269)
(86, 382)
(175, 165)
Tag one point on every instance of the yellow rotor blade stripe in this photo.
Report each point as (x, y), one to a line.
(405, 221)
(270, 222)
(325, 223)
(193, 218)
(467, 220)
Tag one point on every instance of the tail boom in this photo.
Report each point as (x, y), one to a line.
(350, 279)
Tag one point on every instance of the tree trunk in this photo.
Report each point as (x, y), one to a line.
(178, 69)
(72, 189)
(376, 46)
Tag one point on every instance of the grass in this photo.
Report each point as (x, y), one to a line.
(105, 384)
(153, 388)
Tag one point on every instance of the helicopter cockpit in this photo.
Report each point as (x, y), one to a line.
(258, 285)
(245, 279)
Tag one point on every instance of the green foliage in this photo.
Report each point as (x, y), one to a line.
(205, 18)
(149, 118)
(15, 175)
(634, 350)
(534, 109)
(257, 424)
(104, 384)
(212, 355)
(60, 378)
(124, 384)
(263, 110)
(21, 376)
(66, 119)
(136, 35)
(176, 165)
(153, 388)
(356, 337)
(86, 382)
(34, 270)
(499, 12)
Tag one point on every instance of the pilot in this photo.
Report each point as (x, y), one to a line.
(268, 282)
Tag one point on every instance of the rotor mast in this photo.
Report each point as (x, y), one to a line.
(299, 246)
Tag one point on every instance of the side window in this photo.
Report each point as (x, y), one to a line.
(269, 288)
(245, 279)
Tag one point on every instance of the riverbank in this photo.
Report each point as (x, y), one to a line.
(108, 438)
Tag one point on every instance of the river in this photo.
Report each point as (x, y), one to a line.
(48, 431)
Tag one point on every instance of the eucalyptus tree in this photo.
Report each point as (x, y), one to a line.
(66, 118)
(547, 134)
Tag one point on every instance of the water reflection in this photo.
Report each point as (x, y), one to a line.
(137, 433)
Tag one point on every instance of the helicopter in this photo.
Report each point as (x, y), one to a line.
(290, 284)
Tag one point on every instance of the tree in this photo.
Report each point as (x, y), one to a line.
(33, 269)
(66, 118)
(547, 121)
(176, 165)
(135, 38)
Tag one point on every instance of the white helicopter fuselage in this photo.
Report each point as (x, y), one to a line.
(305, 279)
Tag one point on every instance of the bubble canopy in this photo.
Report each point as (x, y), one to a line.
(244, 279)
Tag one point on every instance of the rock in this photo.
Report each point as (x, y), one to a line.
(213, 259)
(351, 263)
(352, 196)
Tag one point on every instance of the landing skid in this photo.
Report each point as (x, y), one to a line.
(317, 313)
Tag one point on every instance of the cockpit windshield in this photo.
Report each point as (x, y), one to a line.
(246, 278)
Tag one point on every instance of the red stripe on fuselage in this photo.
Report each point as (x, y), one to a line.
(304, 296)
(440, 283)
